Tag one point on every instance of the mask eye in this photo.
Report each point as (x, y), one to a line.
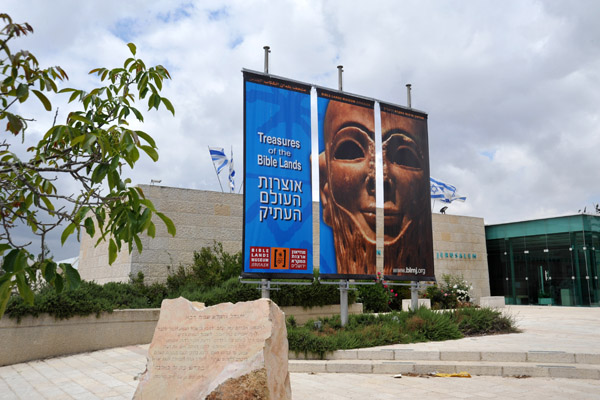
(405, 157)
(348, 150)
(401, 151)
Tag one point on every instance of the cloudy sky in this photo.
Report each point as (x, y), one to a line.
(512, 88)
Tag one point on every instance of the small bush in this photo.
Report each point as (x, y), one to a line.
(452, 292)
(231, 291)
(441, 299)
(437, 326)
(314, 295)
(211, 267)
(87, 299)
(382, 296)
(375, 298)
(483, 321)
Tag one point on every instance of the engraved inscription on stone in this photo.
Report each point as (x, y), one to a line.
(190, 351)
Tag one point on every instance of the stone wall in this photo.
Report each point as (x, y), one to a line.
(202, 217)
(459, 248)
(45, 336)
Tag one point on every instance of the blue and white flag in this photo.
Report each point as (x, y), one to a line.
(231, 174)
(218, 157)
(444, 192)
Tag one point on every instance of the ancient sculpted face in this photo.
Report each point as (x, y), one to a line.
(347, 175)
(347, 170)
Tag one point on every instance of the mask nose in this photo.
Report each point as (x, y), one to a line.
(388, 192)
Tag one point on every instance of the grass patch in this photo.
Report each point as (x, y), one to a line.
(369, 330)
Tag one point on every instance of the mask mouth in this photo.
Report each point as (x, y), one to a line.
(392, 217)
(390, 208)
(370, 218)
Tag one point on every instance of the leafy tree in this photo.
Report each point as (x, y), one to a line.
(90, 148)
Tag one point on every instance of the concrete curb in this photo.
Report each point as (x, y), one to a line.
(493, 356)
(549, 364)
(555, 370)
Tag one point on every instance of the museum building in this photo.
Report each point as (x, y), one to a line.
(203, 217)
(552, 261)
(548, 261)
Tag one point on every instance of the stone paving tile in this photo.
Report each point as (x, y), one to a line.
(25, 391)
(111, 393)
(75, 389)
(6, 391)
(47, 370)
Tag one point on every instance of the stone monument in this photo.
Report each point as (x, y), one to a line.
(228, 351)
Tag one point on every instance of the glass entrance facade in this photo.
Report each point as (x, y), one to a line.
(549, 261)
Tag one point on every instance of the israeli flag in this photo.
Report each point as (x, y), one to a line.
(443, 191)
(231, 174)
(218, 157)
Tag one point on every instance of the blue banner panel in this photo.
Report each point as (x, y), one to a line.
(408, 242)
(347, 186)
(278, 234)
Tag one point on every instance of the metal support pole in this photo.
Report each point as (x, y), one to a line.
(267, 51)
(344, 287)
(264, 288)
(408, 99)
(414, 295)
(340, 71)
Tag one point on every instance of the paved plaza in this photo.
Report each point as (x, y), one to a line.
(111, 374)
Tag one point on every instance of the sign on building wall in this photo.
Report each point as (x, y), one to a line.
(408, 244)
(277, 186)
(346, 185)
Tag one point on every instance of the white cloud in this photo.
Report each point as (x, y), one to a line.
(516, 80)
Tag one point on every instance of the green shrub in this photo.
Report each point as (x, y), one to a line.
(441, 299)
(211, 267)
(313, 295)
(483, 321)
(375, 298)
(178, 278)
(452, 292)
(89, 298)
(382, 296)
(85, 300)
(436, 326)
(231, 291)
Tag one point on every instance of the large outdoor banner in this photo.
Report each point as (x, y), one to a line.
(278, 235)
(408, 242)
(347, 185)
